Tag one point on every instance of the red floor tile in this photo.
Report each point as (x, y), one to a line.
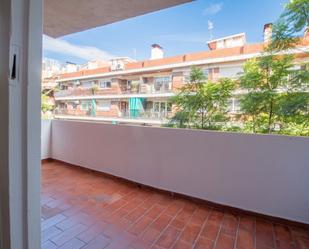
(83, 209)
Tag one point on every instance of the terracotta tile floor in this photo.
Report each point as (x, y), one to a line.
(81, 209)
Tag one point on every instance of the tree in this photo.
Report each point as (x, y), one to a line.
(46, 105)
(296, 13)
(202, 103)
(294, 19)
(274, 92)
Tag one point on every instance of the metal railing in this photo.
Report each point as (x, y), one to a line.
(74, 92)
(137, 89)
(147, 115)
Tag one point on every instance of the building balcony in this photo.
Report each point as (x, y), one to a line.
(139, 117)
(73, 92)
(140, 89)
(174, 188)
(148, 88)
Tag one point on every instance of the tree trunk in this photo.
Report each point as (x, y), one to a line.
(270, 116)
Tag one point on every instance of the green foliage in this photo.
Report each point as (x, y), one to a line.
(277, 99)
(296, 13)
(294, 19)
(274, 96)
(282, 37)
(202, 104)
(45, 105)
(94, 89)
(295, 129)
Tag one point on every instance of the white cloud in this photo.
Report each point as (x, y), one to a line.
(84, 52)
(210, 25)
(212, 9)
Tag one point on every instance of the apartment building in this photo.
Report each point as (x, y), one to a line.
(127, 91)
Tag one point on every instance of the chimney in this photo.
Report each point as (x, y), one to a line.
(268, 32)
(212, 45)
(156, 52)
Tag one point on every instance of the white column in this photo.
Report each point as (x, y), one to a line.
(4, 123)
(21, 37)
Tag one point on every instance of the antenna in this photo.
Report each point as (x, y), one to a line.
(210, 28)
(134, 53)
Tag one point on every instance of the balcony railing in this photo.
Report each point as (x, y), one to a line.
(137, 89)
(73, 92)
(148, 89)
(146, 115)
(134, 115)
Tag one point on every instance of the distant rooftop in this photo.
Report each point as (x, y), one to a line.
(228, 37)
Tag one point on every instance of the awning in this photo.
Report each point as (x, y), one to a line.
(62, 17)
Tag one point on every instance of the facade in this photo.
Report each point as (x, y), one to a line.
(140, 92)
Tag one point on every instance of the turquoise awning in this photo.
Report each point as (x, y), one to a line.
(136, 106)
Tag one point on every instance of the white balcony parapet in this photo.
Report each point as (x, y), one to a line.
(112, 119)
(267, 174)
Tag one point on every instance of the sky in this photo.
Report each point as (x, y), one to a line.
(182, 29)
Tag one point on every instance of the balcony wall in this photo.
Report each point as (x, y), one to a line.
(46, 126)
(262, 173)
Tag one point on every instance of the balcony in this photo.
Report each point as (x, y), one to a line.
(143, 88)
(266, 175)
(85, 206)
(115, 91)
(73, 92)
(147, 117)
(84, 209)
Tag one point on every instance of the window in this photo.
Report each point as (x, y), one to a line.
(162, 107)
(74, 104)
(76, 83)
(162, 80)
(169, 107)
(162, 83)
(213, 73)
(85, 105)
(156, 106)
(104, 105)
(105, 84)
(234, 105)
(186, 77)
(206, 73)
(87, 84)
(63, 86)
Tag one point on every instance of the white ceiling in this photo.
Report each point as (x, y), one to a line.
(62, 17)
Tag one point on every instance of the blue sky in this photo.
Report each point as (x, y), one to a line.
(178, 30)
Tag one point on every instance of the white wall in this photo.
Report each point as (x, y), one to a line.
(262, 173)
(46, 138)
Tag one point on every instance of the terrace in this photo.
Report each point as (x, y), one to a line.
(171, 188)
(207, 178)
(84, 209)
